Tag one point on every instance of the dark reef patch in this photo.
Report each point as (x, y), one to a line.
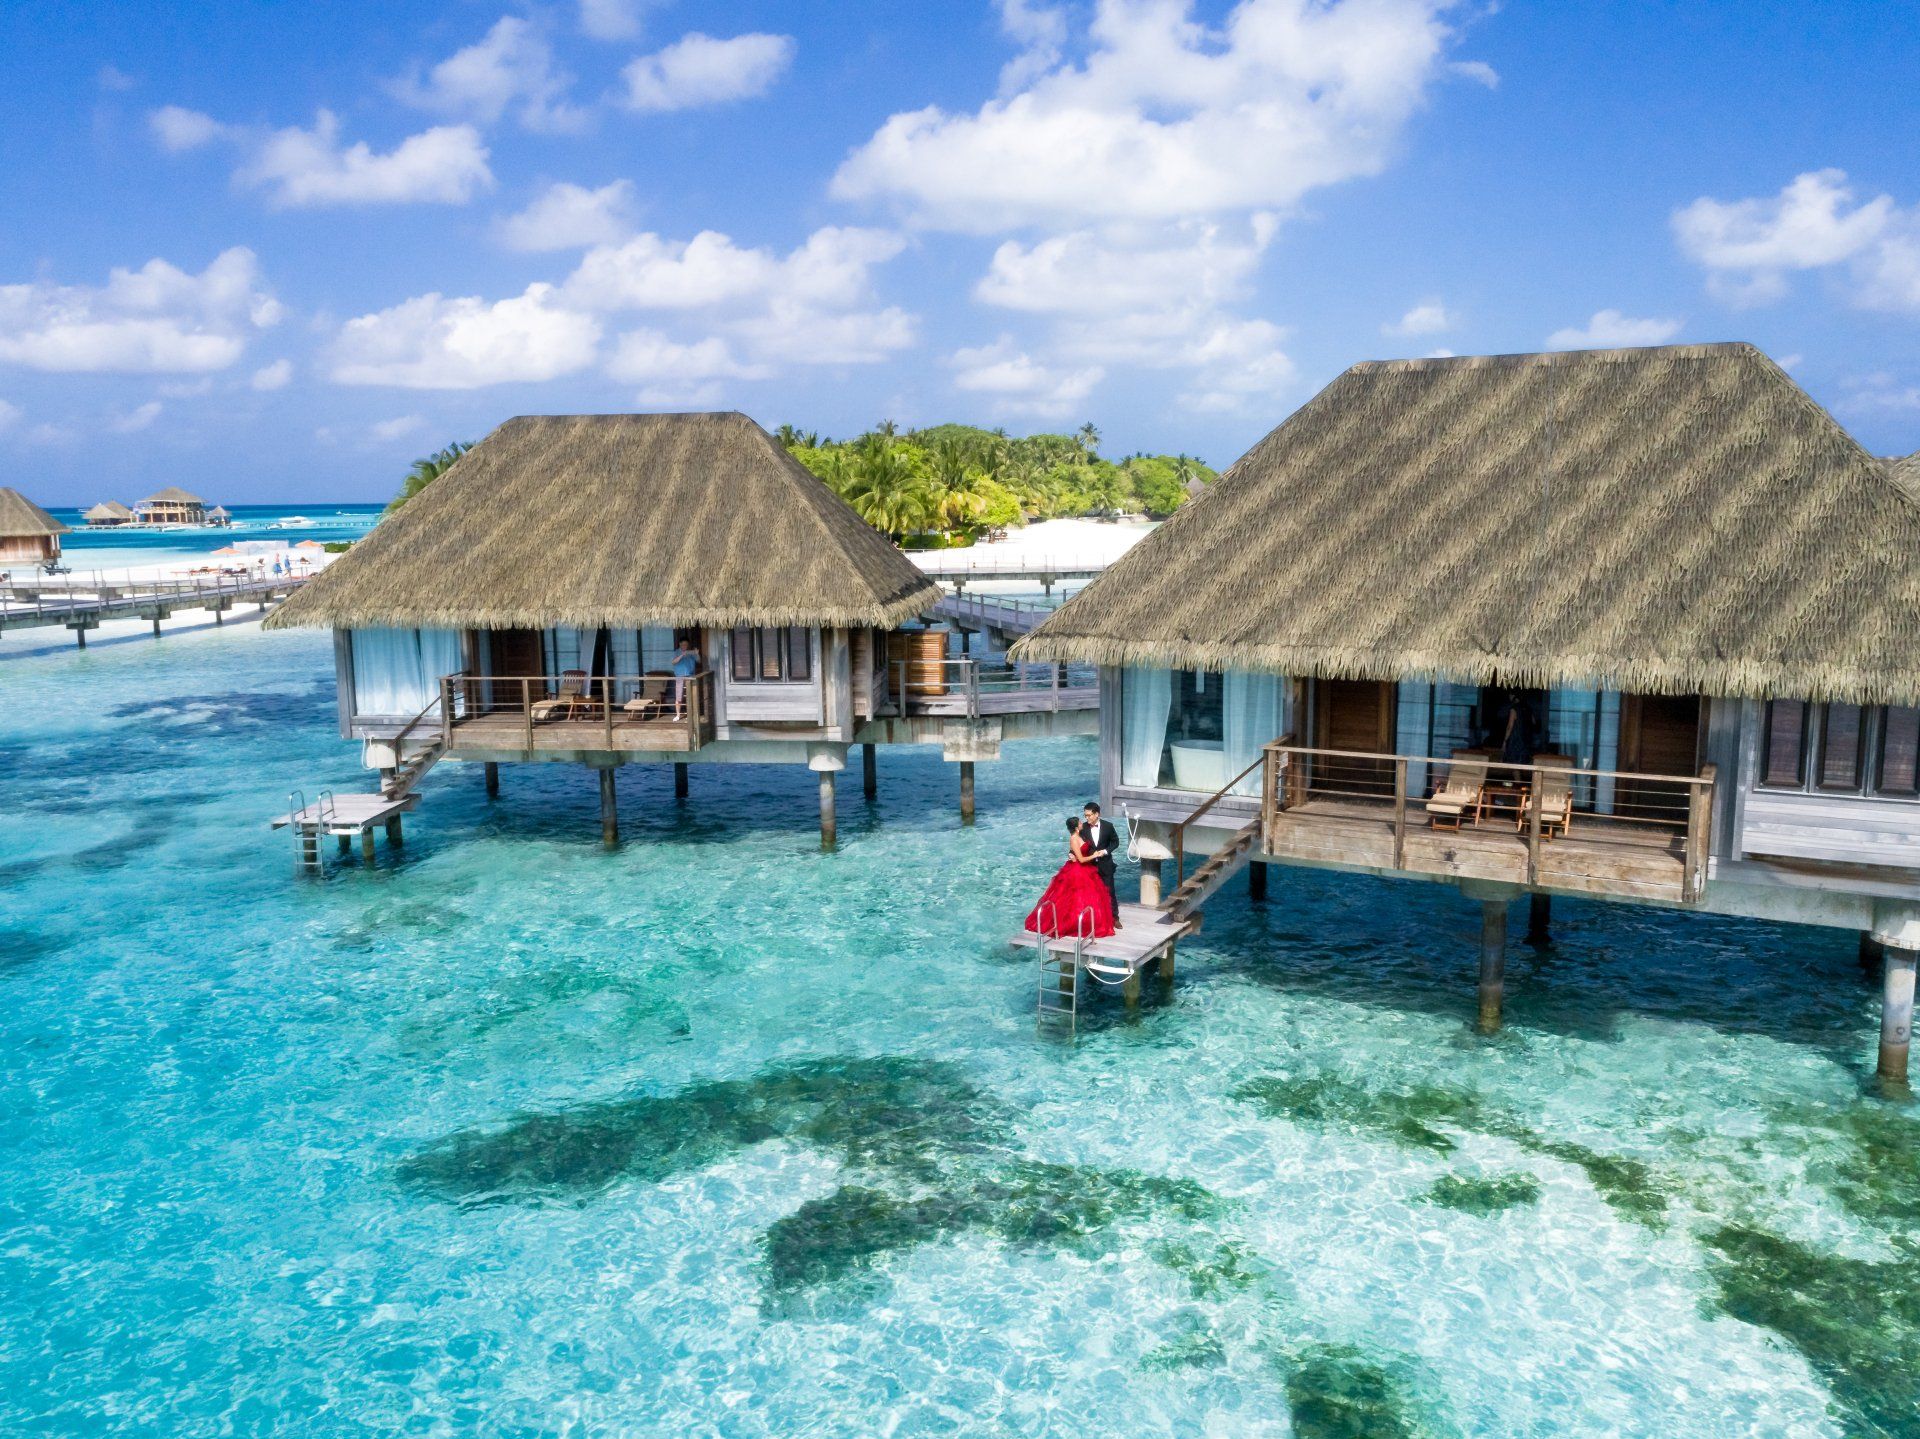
(1483, 1195)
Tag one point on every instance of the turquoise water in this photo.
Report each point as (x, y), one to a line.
(108, 549)
(715, 1135)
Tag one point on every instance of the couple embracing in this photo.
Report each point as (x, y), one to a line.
(1081, 893)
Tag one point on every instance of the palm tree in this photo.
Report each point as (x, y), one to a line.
(887, 429)
(426, 470)
(787, 435)
(1088, 437)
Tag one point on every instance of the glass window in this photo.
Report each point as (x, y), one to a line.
(1785, 744)
(1900, 751)
(741, 644)
(1842, 729)
(799, 654)
(772, 656)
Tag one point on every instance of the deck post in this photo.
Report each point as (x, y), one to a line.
(366, 844)
(346, 843)
(609, 809)
(1493, 963)
(1257, 882)
(679, 779)
(966, 791)
(1896, 1019)
(156, 625)
(1166, 963)
(393, 830)
(869, 771)
(493, 779)
(1872, 952)
(1539, 919)
(79, 634)
(1130, 990)
(828, 833)
(1150, 883)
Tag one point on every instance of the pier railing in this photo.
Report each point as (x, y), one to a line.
(1614, 830)
(517, 707)
(972, 687)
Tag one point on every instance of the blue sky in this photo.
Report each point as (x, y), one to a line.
(275, 252)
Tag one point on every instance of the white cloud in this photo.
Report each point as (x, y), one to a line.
(1816, 222)
(511, 69)
(178, 129)
(112, 77)
(398, 428)
(648, 357)
(612, 19)
(1429, 317)
(1083, 272)
(1168, 119)
(272, 377)
(299, 168)
(434, 343)
(796, 333)
(1040, 31)
(136, 420)
(833, 267)
(1609, 329)
(571, 217)
(1020, 384)
(701, 70)
(155, 320)
(9, 415)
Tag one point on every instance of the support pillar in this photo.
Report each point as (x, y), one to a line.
(1539, 919)
(1872, 952)
(346, 844)
(219, 614)
(1257, 882)
(869, 771)
(1896, 1019)
(393, 830)
(609, 810)
(1150, 883)
(366, 844)
(80, 635)
(828, 829)
(1493, 963)
(156, 627)
(966, 791)
(1130, 991)
(492, 771)
(679, 779)
(1166, 963)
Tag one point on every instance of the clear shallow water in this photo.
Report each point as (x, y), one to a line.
(112, 548)
(718, 1136)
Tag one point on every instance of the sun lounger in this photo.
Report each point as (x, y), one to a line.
(1463, 794)
(1556, 794)
(652, 701)
(569, 700)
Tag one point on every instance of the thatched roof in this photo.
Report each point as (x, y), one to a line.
(21, 516)
(109, 510)
(220, 510)
(1905, 470)
(1672, 520)
(172, 495)
(618, 520)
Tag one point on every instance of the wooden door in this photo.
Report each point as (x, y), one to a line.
(1659, 734)
(512, 655)
(1354, 715)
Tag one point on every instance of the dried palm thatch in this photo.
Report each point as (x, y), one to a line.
(1675, 520)
(108, 512)
(618, 521)
(1905, 470)
(20, 517)
(172, 495)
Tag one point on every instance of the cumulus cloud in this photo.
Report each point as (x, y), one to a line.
(833, 267)
(155, 320)
(138, 419)
(178, 129)
(398, 428)
(1429, 317)
(702, 70)
(435, 343)
(1816, 222)
(112, 77)
(304, 168)
(571, 217)
(794, 332)
(612, 19)
(272, 377)
(650, 357)
(511, 70)
(1084, 272)
(1609, 329)
(1018, 383)
(1167, 118)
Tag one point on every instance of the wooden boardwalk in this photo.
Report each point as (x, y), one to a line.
(1144, 935)
(81, 607)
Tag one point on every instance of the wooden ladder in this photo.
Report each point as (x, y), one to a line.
(1220, 866)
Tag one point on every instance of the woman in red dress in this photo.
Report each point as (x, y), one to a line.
(1075, 896)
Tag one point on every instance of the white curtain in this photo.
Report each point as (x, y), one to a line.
(1413, 731)
(1252, 713)
(395, 672)
(1146, 697)
(1606, 748)
(656, 648)
(623, 660)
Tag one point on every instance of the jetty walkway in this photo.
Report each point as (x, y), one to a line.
(81, 604)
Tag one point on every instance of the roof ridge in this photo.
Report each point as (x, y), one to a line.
(1703, 350)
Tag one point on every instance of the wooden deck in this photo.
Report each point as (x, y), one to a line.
(1144, 934)
(508, 732)
(1600, 856)
(1006, 702)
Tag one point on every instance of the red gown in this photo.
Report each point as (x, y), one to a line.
(1076, 889)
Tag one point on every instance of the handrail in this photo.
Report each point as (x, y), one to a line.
(1180, 829)
(596, 697)
(1441, 759)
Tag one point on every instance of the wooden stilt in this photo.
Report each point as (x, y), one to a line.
(366, 845)
(1166, 963)
(869, 771)
(393, 831)
(80, 635)
(828, 829)
(1539, 919)
(966, 791)
(1257, 882)
(609, 810)
(679, 780)
(156, 627)
(1493, 963)
(1150, 881)
(1896, 1018)
(1130, 991)
(346, 844)
(493, 779)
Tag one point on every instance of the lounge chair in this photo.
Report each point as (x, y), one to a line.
(569, 700)
(652, 701)
(1556, 794)
(1463, 795)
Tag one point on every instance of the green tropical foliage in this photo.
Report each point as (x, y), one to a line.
(951, 480)
(426, 470)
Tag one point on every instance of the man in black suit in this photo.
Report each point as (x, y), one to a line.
(1101, 841)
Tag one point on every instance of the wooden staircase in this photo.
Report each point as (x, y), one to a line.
(1219, 867)
(412, 769)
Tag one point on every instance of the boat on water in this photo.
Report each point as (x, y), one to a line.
(292, 522)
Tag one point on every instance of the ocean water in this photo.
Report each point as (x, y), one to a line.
(110, 549)
(715, 1135)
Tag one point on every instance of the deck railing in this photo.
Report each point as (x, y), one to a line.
(966, 685)
(1660, 812)
(611, 703)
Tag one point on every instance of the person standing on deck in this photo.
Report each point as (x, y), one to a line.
(1101, 841)
(685, 665)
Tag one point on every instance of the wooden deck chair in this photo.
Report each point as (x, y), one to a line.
(571, 697)
(1556, 794)
(652, 701)
(1463, 795)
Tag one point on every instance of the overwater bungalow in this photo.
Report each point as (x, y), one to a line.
(28, 534)
(220, 517)
(624, 589)
(109, 514)
(172, 506)
(1641, 625)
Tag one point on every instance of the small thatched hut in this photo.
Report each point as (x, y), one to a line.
(27, 532)
(220, 517)
(172, 506)
(108, 514)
